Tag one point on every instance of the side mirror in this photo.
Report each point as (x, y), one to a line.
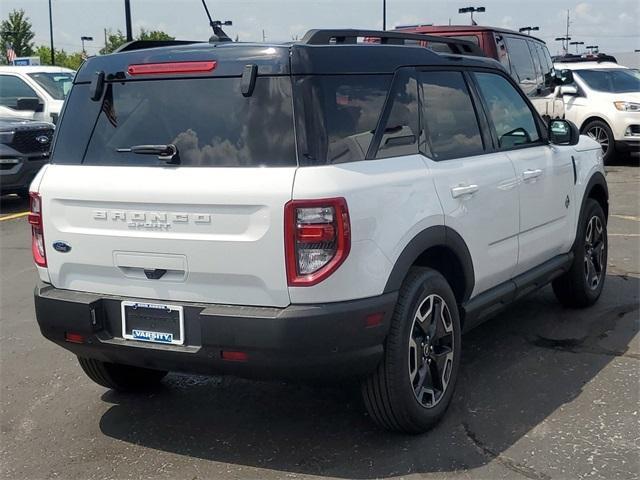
(563, 132)
(29, 104)
(568, 90)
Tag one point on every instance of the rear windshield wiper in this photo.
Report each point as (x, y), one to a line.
(167, 153)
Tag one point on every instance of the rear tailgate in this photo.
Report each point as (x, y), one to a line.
(206, 224)
(216, 232)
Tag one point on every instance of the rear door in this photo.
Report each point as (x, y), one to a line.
(206, 228)
(476, 185)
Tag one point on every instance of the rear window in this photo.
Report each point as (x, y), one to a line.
(209, 121)
(340, 116)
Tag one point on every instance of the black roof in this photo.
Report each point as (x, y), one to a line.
(282, 59)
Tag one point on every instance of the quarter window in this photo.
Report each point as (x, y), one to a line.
(449, 116)
(512, 118)
(340, 116)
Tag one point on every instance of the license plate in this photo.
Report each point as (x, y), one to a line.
(153, 322)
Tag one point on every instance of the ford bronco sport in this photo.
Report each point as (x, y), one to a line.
(322, 208)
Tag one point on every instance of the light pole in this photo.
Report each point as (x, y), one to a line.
(592, 48)
(85, 39)
(471, 10)
(53, 53)
(528, 29)
(565, 47)
(127, 18)
(576, 44)
(384, 14)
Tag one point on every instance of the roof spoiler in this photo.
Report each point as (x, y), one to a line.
(143, 44)
(351, 36)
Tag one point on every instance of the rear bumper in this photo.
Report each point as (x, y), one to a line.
(300, 341)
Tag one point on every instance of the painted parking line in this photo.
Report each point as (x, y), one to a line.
(14, 216)
(627, 217)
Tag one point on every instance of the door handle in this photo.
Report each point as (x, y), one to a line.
(461, 190)
(531, 174)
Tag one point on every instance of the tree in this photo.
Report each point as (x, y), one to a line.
(153, 35)
(63, 59)
(116, 39)
(16, 31)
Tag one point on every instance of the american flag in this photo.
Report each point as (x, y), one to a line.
(11, 54)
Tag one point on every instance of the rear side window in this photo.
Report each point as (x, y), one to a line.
(209, 121)
(449, 116)
(512, 118)
(522, 67)
(340, 114)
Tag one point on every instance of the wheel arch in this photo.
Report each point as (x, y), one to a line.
(593, 118)
(444, 250)
(597, 190)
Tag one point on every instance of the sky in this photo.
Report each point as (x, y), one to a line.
(614, 25)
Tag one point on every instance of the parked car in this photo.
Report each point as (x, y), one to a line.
(603, 99)
(525, 57)
(34, 92)
(24, 149)
(300, 210)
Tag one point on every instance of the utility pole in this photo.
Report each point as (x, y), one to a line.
(53, 53)
(105, 39)
(566, 48)
(384, 15)
(264, 37)
(127, 16)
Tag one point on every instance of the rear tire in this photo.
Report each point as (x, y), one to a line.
(582, 285)
(124, 378)
(413, 385)
(601, 133)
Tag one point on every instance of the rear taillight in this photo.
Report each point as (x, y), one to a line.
(317, 239)
(37, 234)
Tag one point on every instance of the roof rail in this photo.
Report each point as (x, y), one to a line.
(570, 58)
(143, 44)
(350, 36)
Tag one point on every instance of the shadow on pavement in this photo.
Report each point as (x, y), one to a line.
(518, 369)
(13, 204)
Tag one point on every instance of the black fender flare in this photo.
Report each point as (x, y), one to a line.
(596, 179)
(436, 236)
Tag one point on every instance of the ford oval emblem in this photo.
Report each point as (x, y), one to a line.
(63, 247)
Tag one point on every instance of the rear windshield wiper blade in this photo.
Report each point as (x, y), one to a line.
(168, 153)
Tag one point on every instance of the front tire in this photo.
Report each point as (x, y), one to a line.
(582, 285)
(124, 378)
(601, 133)
(413, 385)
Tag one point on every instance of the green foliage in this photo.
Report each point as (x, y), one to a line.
(16, 30)
(117, 39)
(63, 59)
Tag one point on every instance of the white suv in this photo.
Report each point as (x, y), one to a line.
(316, 209)
(603, 99)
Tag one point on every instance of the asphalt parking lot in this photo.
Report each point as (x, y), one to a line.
(544, 393)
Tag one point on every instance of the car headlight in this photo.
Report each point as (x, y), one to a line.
(627, 106)
(6, 137)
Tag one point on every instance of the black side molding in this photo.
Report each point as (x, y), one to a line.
(485, 305)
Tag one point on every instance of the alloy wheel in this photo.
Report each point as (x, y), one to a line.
(599, 134)
(594, 249)
(431, 348)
